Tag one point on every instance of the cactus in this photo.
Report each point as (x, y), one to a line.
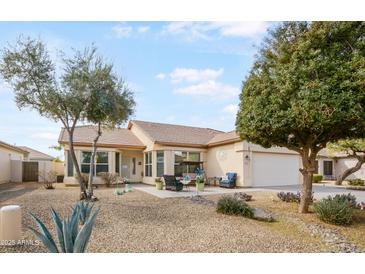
(71, 239)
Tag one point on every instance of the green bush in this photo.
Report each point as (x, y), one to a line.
(356, 182)
(317, 178)
(334, 211)
(232, 206)
(348, 198)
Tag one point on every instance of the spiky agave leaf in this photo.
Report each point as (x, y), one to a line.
(58, 223)
(46, 237)
(67, 235)
(74, 223)
(85, 233)
(85, 210)
(47, 243)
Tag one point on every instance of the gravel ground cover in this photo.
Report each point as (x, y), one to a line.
(139, 222)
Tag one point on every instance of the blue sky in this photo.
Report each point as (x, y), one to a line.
(181, 72)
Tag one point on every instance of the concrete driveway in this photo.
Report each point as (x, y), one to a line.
(320, 191)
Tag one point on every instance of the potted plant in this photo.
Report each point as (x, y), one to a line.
(159, 183)
(199, 183)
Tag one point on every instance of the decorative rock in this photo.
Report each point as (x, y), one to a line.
(242, 196)
(262, 215)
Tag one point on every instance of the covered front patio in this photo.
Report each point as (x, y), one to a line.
(187, 192)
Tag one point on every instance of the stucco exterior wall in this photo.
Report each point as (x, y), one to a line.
(6, 155)
(225, 158)
(344, 163)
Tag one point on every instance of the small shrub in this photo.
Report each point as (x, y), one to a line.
(290, 197)
(356, 182)
(317, 178)
(348, 198)
(232, 206)
(334, 211)
(109, 178)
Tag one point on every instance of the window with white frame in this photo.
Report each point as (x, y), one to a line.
(148, 164)
(101, 162)
(160, 163)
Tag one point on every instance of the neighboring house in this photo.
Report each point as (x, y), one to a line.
(145, 150)
(10, 157)
(43, 162)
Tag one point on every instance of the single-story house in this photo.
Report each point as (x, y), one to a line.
(145, 150)
(9, 155)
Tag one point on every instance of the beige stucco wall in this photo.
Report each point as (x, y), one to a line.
(6, 155)
(16, 171)
(342, 164)
(225, 158)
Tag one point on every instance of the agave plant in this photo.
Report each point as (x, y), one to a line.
(71, 239)
(85, 209)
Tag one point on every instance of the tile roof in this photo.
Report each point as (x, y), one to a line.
(222, 138)
(36, 155)
(16, 148)
(176, 134)
(119, 137)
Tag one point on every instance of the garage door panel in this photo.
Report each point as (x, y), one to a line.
(270, 169)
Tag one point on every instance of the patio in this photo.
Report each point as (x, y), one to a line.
(208, 190)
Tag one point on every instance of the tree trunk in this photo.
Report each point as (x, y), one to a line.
(349, 171)
(77, 167)
(308, 161)
(90, 192)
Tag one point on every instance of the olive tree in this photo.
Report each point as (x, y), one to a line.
(306, 88)
(29, 70)
(354, 148)
(110, 104)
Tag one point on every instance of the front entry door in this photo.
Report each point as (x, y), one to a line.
(125, 171)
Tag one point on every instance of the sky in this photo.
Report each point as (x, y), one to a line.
(187, 73)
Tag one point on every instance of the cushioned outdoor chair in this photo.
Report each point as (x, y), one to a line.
(229, 181)
(172, 184)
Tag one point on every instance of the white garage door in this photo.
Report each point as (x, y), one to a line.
(269, 169)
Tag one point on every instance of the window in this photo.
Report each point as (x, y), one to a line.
(327, 168)
(70, 165)
(117, 162)
(134, 166)
(183, 156)
(316, 167)
(101, 162)
(148, 164)
(160, 163)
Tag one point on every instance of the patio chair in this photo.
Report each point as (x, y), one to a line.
(172, 184)
(229, 181)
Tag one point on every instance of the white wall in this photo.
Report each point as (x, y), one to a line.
(6, 155)
(344, 163)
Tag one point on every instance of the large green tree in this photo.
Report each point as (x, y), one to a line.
(306, 88)
(352, 148)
